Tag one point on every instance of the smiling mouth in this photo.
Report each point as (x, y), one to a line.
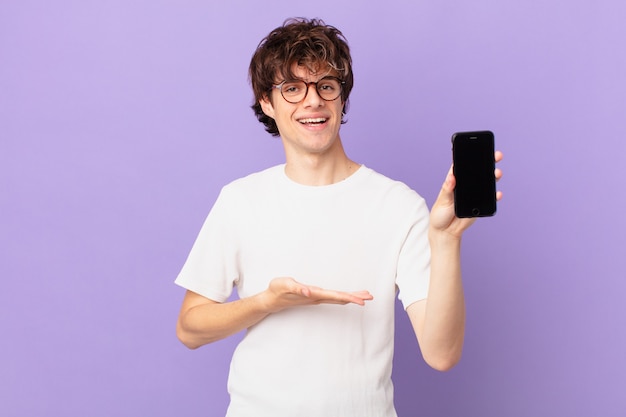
(312, 121)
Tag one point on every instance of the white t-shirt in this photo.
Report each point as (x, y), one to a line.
(364, 233)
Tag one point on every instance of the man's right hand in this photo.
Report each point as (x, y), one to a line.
(286, 292)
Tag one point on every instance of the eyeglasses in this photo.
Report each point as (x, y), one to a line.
(294, 91)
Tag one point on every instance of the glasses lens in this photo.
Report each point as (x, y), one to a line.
(329, 88)
(294, 91)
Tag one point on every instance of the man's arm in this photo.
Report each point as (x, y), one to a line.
(439, 320)
(202, 320)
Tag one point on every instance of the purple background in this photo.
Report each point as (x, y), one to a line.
(121, 120)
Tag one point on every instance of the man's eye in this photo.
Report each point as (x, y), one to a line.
(328, 86)
(291, 88)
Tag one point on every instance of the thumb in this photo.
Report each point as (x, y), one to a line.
(446, 194)
(296, 287)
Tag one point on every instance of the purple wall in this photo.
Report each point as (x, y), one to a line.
(120, 121)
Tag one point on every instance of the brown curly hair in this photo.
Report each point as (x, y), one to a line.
(300, 41)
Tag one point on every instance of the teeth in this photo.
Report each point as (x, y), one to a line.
(317, 120)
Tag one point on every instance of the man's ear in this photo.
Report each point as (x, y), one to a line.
(266, 106)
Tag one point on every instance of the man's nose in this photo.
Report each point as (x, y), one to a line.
(312, 97)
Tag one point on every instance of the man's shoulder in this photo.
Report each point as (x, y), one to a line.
(383, 183)
(252, 187)
(257, 179)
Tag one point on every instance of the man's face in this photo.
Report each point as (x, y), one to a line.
(311, 125)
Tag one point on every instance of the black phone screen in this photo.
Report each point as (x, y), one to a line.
(474, 165)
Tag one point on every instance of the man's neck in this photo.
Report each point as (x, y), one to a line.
(317, 170)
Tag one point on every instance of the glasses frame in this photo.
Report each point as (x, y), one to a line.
(279, 87)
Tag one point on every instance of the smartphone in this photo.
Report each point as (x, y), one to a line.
(474, 169)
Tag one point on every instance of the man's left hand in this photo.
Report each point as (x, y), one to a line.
(442, 217)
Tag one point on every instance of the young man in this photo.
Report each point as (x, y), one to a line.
(318, 248)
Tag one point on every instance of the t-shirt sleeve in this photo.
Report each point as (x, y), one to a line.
(413, 273)
(211, 269)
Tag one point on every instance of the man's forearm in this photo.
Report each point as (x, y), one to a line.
(208, 322)
(444, 319)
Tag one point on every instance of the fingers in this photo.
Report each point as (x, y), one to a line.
(296, 293)
(323, 296)
(286, 292)
(498, 172)
(360, 297)
(498, 157)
